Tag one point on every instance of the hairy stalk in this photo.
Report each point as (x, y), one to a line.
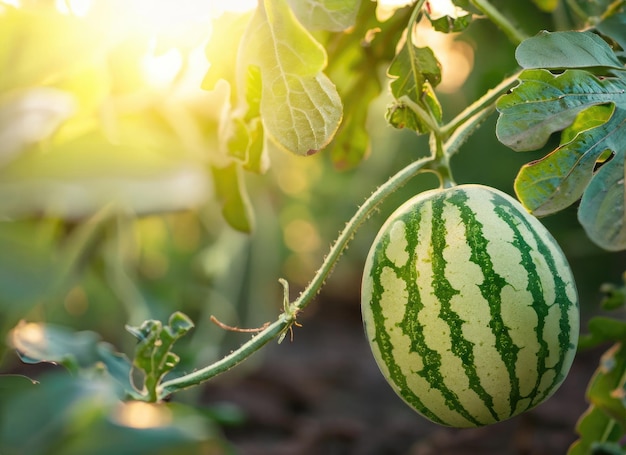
(288, 317)
(513, 33)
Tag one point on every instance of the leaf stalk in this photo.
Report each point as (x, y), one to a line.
(288, 317)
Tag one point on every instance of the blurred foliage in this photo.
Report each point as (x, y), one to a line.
(603, 426)
(130, 171)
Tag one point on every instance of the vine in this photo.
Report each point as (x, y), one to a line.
(456, 132)
(300, 77)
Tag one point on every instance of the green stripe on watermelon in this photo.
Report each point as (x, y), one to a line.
(534, 287)
(461, 347)
(383, 339)
(464, 307)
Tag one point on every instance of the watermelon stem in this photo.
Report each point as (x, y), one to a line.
(278, 328)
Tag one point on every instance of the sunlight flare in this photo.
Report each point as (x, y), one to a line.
(137, 414)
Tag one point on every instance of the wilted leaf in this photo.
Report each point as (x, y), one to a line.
(300, 106)
(562, 50)
(332, 15)
(400, 116)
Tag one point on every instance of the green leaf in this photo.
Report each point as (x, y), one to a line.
(300, 106)
(153, 353)
(560, 50)
(414, 71)
(544, 103)
(614, 295)
(37, 342)
(589, 162)
(400, 116)
(365, 47)
(601, 330)
(65, 415)
(352, 142)
(58, 400)
(594, 425)
(231, 192)
(410, 70)
(605, 420)
(222, 52)
(244, 131)
(77, 351)
(331, 15)
(606, 388)
(119, 368)
(449, 24)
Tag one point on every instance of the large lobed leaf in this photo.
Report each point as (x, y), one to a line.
(278, 94)
(573, 83)
(300, 107)
(566, 50)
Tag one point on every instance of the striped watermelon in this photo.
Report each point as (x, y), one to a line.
(470, 306)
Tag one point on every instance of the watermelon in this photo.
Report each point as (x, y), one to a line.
(469, 306)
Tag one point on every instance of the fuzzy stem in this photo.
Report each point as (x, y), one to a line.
(438, 162)
(286, 319)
